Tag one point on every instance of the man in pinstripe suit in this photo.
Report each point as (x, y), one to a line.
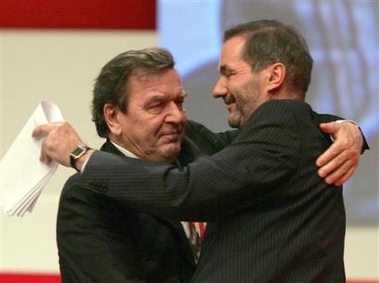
(271, 218)
(98, 239)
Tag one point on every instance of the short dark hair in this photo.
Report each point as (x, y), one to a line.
(268, 42)
(111, 86)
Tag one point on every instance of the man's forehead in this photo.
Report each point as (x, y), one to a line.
(157, 94)
(229, 57)
(228, 66)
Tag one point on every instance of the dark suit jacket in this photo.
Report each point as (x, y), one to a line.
(270, 217)
(99, 240)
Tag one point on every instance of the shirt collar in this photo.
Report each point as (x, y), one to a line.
(125, 151)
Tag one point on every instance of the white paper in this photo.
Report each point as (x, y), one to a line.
(22, 175)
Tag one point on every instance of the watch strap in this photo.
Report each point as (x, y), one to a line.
(76, 154)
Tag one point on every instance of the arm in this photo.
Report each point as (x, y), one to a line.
(337, 164)
(61, 139)
(340, 161)
(258, 164)
(207, 140)
(206, 189)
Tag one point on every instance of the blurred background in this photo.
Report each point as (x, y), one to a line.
(343, 40)
(54, 51)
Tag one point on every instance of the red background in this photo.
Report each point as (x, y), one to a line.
(74, 14)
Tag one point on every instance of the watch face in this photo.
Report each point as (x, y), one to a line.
(77, 152)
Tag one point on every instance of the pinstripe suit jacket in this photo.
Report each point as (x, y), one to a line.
(270, 217)
(99, 240)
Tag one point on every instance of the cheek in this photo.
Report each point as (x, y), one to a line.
(144, 138)
(152, 128)
(143, 128)
(185, 117)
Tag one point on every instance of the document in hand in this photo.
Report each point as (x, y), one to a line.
(22, 175)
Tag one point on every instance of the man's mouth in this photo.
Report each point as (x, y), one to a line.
(228, 99)
(172, 136)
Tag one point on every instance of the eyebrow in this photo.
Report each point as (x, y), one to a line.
(159, 96)
(224, 69)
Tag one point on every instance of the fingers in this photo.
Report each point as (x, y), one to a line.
(331, 153)
(339, 162)
(51, 144)
(59, 140)
(45, 159)
(340, 169)
(341, 175)
(335, 149)
(44, 130)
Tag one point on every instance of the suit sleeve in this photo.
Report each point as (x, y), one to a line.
(209, 141)
(263, 155)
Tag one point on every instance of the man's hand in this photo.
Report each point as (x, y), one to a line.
(60, 140)
(339, 162)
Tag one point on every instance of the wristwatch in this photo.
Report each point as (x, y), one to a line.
(76, 154)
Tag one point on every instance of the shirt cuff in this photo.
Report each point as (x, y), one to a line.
(343, 121)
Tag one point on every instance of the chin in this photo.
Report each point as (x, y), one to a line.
(233, 123)
(235, 120)
(171, 151)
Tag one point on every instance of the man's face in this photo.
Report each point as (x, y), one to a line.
(240, 88)
(154, 123)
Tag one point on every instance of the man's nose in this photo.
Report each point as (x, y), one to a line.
(220, 89)
(175, 113)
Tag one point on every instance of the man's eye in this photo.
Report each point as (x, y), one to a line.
(157, 107)
(179, 103)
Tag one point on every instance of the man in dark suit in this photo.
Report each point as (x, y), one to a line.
(137, 107)
(100, 240)
(271, 218)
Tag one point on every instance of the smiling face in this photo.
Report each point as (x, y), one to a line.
(153, 124)
(241, 89)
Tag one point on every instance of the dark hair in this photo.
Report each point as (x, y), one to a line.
(111, 86)
(268, 42)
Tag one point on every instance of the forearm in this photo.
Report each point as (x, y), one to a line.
(209, 188)
(206, 190)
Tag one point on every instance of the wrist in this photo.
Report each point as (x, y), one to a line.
(79, 156)
(82, 161)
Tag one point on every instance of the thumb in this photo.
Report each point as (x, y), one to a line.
(329, 128)
(42, 130)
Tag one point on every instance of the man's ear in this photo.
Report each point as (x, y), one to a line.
(111, 117)
(276, 76)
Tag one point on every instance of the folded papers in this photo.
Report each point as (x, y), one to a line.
(22, 175)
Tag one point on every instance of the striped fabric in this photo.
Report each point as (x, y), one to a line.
(200, 228)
